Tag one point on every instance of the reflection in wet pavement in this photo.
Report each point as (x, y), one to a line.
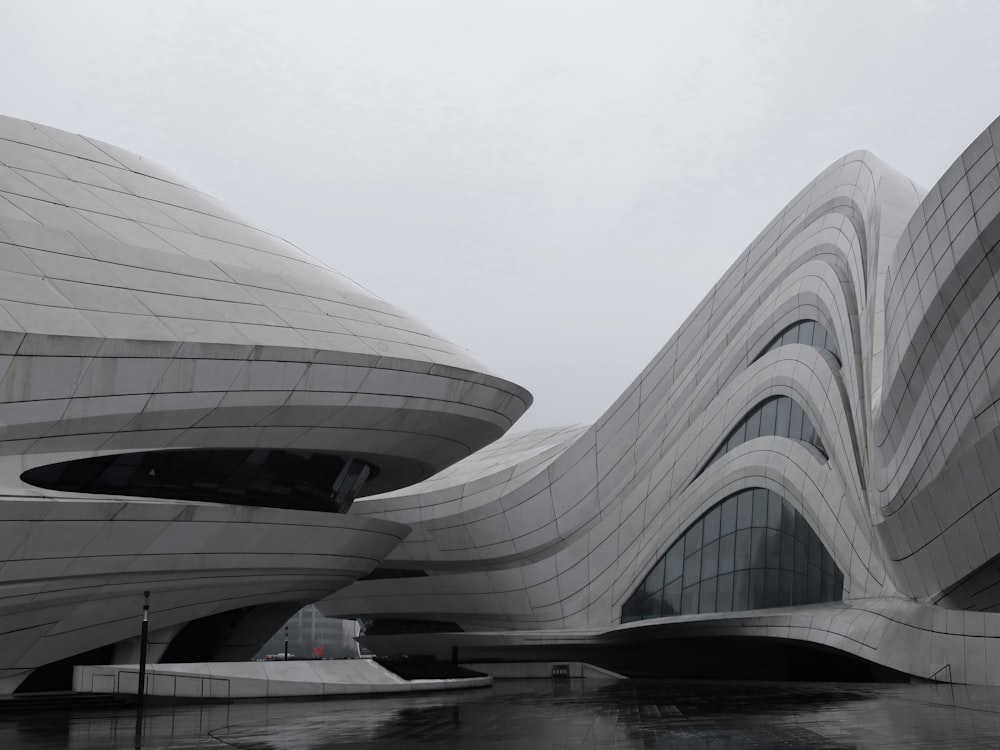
(543, 714)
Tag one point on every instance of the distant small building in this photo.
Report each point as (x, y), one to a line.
(313, 636)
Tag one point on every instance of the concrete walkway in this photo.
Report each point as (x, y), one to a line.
(236, 680)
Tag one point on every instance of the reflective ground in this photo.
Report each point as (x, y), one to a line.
(546, 715)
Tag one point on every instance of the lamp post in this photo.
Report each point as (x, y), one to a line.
(286, 643)
(143, 644)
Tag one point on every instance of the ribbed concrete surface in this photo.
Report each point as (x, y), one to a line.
(906, 501)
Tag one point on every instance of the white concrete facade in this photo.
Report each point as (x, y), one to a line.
(544, 539)
(148, 333)
(142, 321)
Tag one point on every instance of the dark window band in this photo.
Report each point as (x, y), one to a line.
(808, 332)
(304, 480)
(778, 415)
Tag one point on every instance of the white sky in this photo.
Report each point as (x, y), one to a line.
(553, 185)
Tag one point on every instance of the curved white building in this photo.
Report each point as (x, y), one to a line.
(806, 476)
(804, 481)
(189, 405)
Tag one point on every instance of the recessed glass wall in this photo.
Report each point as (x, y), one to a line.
(807, 332)
(752, 550)
(778, 415)
(305, 480)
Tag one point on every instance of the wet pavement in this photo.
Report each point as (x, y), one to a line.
(546, 715)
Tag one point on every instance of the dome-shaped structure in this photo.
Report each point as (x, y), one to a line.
(158, 352)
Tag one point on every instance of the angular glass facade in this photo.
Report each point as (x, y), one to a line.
(752, 550)
(807, 332)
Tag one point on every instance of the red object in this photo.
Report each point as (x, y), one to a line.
(317, 650)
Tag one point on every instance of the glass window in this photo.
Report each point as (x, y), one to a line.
(783, 423)
(820, 338)
(772, 586)
(760, 508)
(827, 564)
(712, 521)
(672, 598)
(787, 517)
(654, 581)
(707, 598)
(773, 510)
(813, 587)
(787, 551)
(692, 538)
(768, 413)
(795, 420)
(689, 600)
(633, 608)
(728, 520)
(815, 550)
(303, 480)
(785, 590)
(115, 478)
(692, 568)
(675, 562)
(758, 547)
(807, 332)
(801, 558)
(727, 552)
(743, 548)
(773, 548)
(801, 529)
(745, 510)
(652, 606)
(724, 593)
(753, 425)
(799, 588)
(757, 589)
(710, 560)
(773, 558)
(741, 590)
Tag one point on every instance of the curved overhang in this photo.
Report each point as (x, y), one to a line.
(74, 569)
(138, 313)
(225, 388)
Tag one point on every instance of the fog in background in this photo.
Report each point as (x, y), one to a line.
(552, 185)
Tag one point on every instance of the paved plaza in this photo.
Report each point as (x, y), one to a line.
(547, 715)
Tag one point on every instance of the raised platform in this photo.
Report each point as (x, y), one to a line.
(238, 680)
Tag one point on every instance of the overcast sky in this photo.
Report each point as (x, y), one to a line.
(552, 185)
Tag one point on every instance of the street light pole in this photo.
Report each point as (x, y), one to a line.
(143, 644)
(286, 643)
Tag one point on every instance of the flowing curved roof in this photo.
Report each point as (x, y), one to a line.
(165, 320)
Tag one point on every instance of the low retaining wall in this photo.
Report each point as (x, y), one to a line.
(234, 680)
